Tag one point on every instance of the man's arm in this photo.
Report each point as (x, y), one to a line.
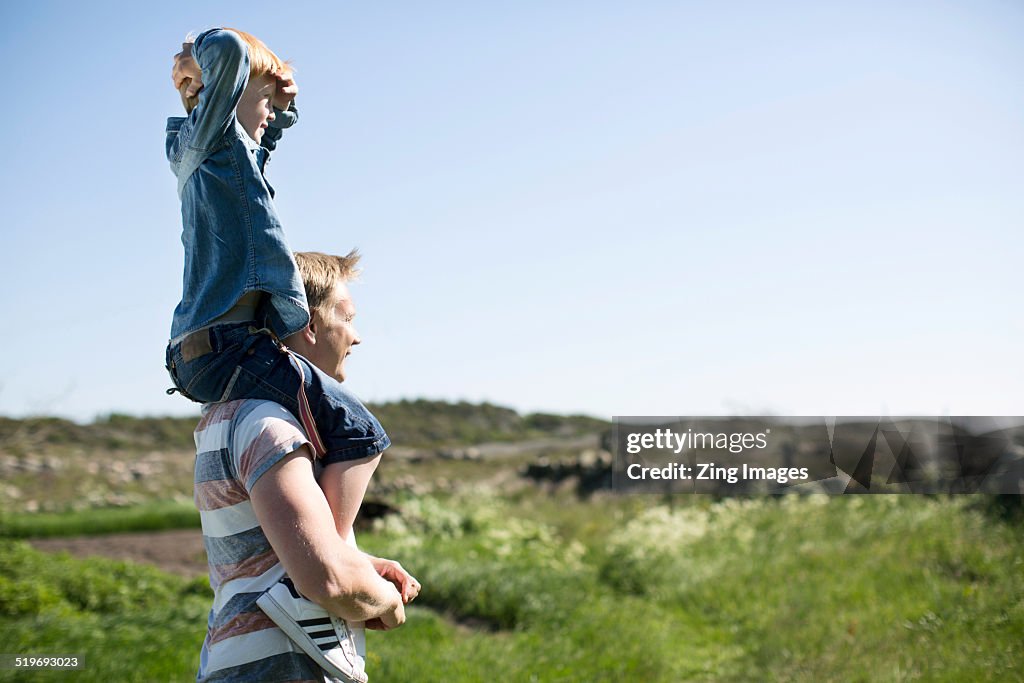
(298, 523)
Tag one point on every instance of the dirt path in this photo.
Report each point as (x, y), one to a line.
(179, 552)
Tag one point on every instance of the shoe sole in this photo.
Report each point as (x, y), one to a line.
(300, 637)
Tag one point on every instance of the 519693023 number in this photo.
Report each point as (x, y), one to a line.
(8, 661)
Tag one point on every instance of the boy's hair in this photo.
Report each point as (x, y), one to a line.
(262, 61)
(320, 273)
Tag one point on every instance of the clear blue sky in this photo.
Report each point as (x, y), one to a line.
(613, 208)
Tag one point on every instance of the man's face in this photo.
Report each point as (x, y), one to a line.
(335, 334)
(255, 109)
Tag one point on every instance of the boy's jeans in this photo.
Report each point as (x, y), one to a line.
(244, 362)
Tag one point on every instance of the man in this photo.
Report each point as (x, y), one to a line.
(264, 515)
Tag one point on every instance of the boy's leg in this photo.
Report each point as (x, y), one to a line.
(344, 485)
(324, 637)
(235, 361)
(344, 428)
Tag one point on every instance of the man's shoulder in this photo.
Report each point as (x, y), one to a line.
(247, 437)
(245, 413)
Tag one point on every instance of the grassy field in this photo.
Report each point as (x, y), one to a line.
(530, 586)
(154, 516)
(127, 622)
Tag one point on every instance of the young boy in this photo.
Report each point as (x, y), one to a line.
(242, 292)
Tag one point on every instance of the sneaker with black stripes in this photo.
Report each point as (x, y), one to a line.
(322, 636)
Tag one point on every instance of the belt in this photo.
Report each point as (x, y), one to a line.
(200, 342)
(196, 344)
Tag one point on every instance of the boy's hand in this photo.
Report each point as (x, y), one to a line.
(286, 90)
(185, 67)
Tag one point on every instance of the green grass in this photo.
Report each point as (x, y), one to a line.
(127, 622)
(160, 515)
(794, 589)
(858, 588)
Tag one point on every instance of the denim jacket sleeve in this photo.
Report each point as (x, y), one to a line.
(224, 60)
(282, 119)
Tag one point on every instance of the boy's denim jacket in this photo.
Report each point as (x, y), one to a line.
(233, 239)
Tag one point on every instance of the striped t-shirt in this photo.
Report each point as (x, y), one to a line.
(236, 443)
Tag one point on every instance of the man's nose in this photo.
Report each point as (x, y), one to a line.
(356, 341)
(271, 116)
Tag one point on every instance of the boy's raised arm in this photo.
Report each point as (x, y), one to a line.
(223, 59)
(283, 118)
(285, 112)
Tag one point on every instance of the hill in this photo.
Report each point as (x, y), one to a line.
(52, 464)
(416, 423)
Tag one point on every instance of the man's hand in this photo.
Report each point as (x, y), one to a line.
(405, 582)
(388, 621)
(286, 90)
(186, 68)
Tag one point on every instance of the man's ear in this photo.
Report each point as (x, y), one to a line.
(309, 331)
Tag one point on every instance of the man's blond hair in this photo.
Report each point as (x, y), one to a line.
(320, 275)
(262, 61)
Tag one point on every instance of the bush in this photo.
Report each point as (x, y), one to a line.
(33, 583)
(478, 561)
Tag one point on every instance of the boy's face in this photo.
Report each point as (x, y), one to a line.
(255, 110)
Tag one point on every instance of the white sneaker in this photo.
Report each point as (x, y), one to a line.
(322, 636)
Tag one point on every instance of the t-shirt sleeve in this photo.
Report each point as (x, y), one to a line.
(263, 435)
